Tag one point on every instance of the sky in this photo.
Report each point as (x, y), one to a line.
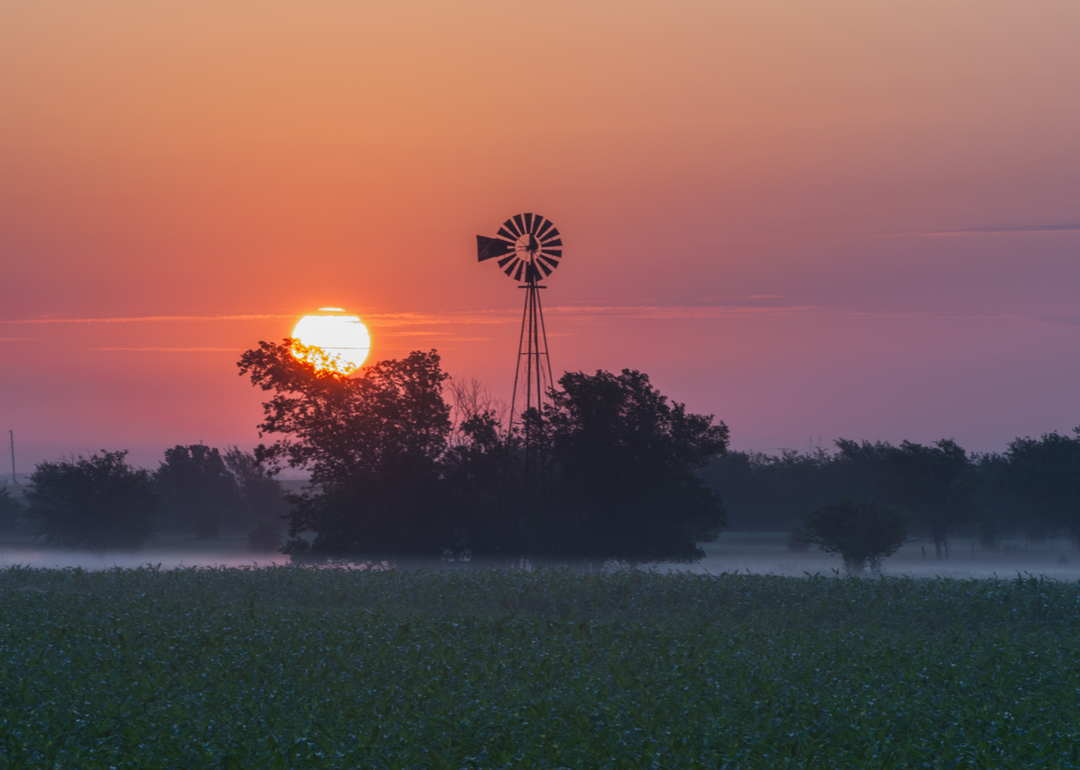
(812, 220)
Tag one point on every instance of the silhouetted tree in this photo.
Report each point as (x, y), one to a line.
(861, 532)
(1042, 477)
(98, 502)
(260, 497)
(197, 488)
(626, 462)
(858, 469)
(935, 485)
(482, 478)
(11, 512)
(771, 492)
(372, 443)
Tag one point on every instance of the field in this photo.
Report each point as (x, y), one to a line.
(287, 667)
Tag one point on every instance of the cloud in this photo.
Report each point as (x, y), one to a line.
(175, 350)
(500, 316)
(1061, 320)
(145, 319)
(1069, 227)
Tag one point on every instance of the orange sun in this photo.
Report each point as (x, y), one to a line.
(332, 342)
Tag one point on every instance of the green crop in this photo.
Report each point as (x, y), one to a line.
(297, 668)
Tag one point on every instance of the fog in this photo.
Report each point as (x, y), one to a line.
(766, 553)
(753, 553)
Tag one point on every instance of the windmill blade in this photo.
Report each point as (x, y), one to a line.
(520, 222)
(510, 270)
(556, 242)
(549, 260)
(545, 268)
(554, 233)
(517, 275)
(529, 224)
(504, 260)
(554, 252)
(504, 233)
(509, 225)
(544, 228)
(489, 248)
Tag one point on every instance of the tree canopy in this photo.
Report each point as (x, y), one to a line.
(372, 443)
(626, 464)
(861, 532)
(197, 489)
(98, 502)
(1042, 477)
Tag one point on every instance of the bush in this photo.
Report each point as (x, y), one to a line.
(98, 502)
(860, 532)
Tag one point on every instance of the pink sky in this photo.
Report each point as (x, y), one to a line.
(843, 219)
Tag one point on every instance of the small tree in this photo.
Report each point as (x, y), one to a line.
(860, 532)
(197, 487)
(11, 512)
(98, 502)
(261, 497)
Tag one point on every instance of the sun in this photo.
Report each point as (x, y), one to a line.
(332, 341)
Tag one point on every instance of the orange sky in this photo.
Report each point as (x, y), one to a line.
(806, 218)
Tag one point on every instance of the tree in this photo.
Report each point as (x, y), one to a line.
(372, 443)
(98, 502)
(625, 471)
(11, 511)
(197, 488)
(261, 500)
(861, 532)
(935, 485)
(1043, 478)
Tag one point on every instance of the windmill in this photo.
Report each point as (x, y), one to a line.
(527, 248)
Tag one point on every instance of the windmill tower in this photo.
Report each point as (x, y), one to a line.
(527, 248)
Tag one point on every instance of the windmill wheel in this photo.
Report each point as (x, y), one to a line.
(527, 246)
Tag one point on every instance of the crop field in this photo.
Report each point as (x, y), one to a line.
(296, 668)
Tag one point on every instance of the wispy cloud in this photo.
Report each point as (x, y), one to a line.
(481, 317)
(1061, 320)
(446, 325)
(147, 319)
(1067, 227)
(175, 350)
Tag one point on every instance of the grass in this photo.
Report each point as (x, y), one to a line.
(288, 667)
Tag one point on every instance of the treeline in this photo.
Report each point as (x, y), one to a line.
(101, 502)
(611, 471)
(1032, 490)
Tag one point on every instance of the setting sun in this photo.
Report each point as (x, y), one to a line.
(332, 341)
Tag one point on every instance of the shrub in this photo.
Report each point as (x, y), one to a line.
(860, 532)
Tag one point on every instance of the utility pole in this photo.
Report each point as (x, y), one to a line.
(11, 435)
